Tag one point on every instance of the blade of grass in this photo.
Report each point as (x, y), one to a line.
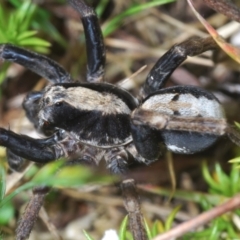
(88, 237)
(123, 229)
(231, 50)
(114, 23)
(2, 182)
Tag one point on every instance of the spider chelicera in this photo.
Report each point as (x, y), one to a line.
(94, 120)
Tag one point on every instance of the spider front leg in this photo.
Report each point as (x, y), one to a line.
(37, 150)
(42, 65)
(164, 67)
(51, 70)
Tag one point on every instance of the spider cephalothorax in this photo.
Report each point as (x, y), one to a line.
(97, 120)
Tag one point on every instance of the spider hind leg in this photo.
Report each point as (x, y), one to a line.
(178, 53)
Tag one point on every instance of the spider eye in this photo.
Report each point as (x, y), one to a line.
(58, 104)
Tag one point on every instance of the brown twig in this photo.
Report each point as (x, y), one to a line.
(132, 205)
(225, 7)
(202, 219)
(31, 213)
(52, 229)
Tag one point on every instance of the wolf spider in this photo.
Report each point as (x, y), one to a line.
(94, 119)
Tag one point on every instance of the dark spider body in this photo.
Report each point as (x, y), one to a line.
(94, 120)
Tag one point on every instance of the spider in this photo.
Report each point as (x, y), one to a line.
(88, 121)
(94, 120)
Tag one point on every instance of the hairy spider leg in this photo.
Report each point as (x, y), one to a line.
(15, 162)
(38, 150)
(31, 105)
(51, 70)
(117, 160)
(164, 67)
(42, 65)
(96, 55)
(161, 121)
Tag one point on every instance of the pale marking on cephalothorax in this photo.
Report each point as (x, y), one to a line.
(186, 105)
(87, 99)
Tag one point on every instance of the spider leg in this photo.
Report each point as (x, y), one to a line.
(88, 156)
(131, 149)
(160, 121)
(94, 41)
(164, 67)
(234, 134)
(42, 65)
(31, 104)
(15, 162)
(31, 107)
(117, 160)
(38, 150)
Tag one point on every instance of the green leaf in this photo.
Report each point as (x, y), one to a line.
(101, 7)
(123, 229)
(2, 182)
(24, 187)
(34, 41)
(114, 23)
(223, 180)
(88, 237)
(24, 15)
(47, 172)
(148, 231)
(208, 178)
(15, 26)
(26, 34)
(235, 179)
(3, 71)
(40, 49)
(157, 228)
(6, 213)
(235, 160)
(171, 217)
(71, 176)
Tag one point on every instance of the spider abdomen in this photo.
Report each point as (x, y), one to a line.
(186, 101)
(180, 118)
